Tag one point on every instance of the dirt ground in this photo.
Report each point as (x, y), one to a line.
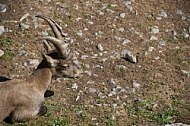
(113, 91)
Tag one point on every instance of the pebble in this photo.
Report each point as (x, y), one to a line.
(177, 124)
(74, 86)
(153, 38)
(121, 29)
(122, 15)
(99, 47)
(88, 72)
(2, 8)
(136, 85)
(2, 29)
(150, 49)
(84, 56)
(161, 43)
(129, 55)
(129, 8)
(127, 2)
(155, 30)
(21, 53)
(185, 35)
(1, 53)
(92, 90)
(125, 41)
(158, 18)
(111, 81)
(163, 14)
(24, 26)
(76, 62)
(45, 33)
(179, 12)
(34, 62)
(79, 33)
(186, 72)
(112, 93)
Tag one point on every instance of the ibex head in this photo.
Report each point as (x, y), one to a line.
(59, 60)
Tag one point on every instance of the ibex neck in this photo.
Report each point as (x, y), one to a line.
(41, 79)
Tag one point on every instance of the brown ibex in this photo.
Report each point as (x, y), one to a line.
(22, 100)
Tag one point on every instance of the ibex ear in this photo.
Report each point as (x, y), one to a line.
(50, 61)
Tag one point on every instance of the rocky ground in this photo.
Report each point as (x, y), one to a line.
(135, 55)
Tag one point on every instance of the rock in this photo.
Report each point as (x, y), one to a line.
(161, 43)
(179, 12)
(2, 8)
(45, 33)
(150, 49)
(113, 92)
(21, 53)
(185, 35)
(129, 8)
(155, 30)
(34, 62)
(158, 18)
(163, 14)
(2, 29)
(1, 53)
(24, 26)
(136, 85)
(125, 41)
(88, 72)
(99, 47)
(79, 33)
(129, 56)
(111, 81)
(122, 15)
(92, 90)
(127, 2)
(84, 56)
(121, 29)
(153, 38)
(76, 62)
(74, 86)
(177, 124)
(186, 72)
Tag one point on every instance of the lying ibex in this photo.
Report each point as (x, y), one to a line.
(22, 100)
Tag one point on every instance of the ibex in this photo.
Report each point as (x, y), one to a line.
(22, 100)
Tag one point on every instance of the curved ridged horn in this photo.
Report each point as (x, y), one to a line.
(54, 26)
(62, 48)
(58, 42)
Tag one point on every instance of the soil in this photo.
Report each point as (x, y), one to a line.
(162, 83)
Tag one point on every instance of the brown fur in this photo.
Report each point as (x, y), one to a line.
(22, 100)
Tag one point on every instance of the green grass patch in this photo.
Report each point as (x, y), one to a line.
(6, 41)
(149, 110)
(9, 54)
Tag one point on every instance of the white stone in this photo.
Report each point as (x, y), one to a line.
(153, 38)
(163, 14)
(99, 47)
(1, 52)
(2, 29)
(74, 86)
(122, 15)
(128, 55)
(136, 85)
